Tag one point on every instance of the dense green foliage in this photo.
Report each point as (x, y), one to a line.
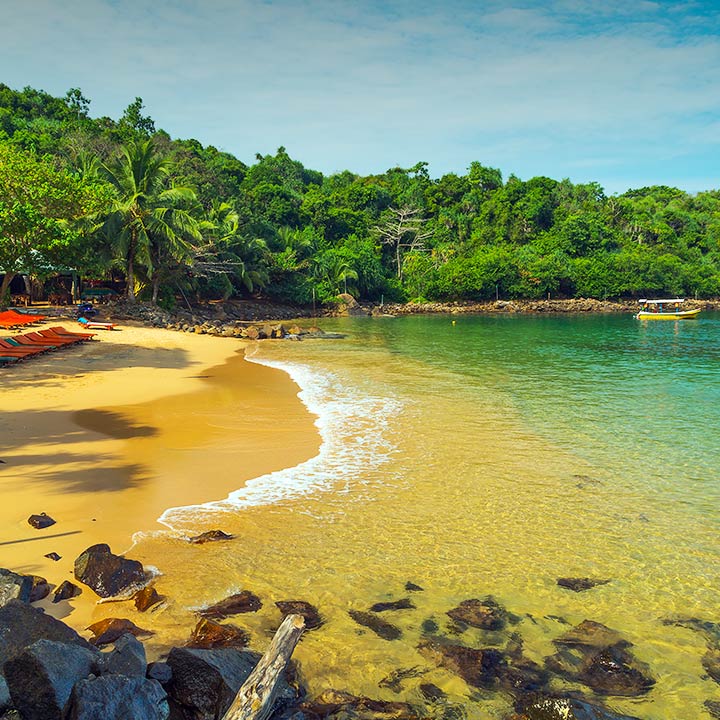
(99, 194)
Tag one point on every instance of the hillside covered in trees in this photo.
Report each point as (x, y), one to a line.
(117, 197)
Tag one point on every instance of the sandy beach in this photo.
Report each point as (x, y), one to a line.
(98, 437)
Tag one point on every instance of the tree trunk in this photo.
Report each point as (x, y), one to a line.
(254, 700)
(4, 288)
(156, 289)
(130, 280)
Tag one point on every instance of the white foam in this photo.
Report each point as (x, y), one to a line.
(353, 429)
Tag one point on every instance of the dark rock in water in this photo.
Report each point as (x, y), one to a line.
(146, 598)
(580, 584)
(380, 627)
(65, 590)
(42, 677)
(205, 682)
(243, 602)
(53, 556)
(544, 707)
(412, 587)
(332, 703)
(115, 697)
(713, 707)
(22, 625)
(432, 693)
(107, 574)
(395, 679)
(14, 587)
(404, 604)
(429, 627)
(300, 607)
(109, 630)
(485, 614)
(40, 588)
(210, 536)
(41, 521)
(710, 630)
(210, 634)
(478, 668)
(597, 656)
(711, 663)
(126, 658)
(159, 671)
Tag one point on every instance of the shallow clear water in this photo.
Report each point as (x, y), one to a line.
(486, 456)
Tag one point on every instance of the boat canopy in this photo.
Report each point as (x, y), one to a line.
(661, 302)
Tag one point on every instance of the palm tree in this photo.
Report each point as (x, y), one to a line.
(150, 223)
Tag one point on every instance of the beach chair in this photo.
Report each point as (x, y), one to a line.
(62, 332)
(6, 360)
(23, 341)
(40, 338)
(70, 339)
(10, 349)
(95, 325)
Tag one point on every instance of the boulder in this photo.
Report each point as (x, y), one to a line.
(545, 707)
(380, 627)
(252, 333)
(107, 574)
(300, 607)
(210, 536)
(243, 602)
(115, 697)
(14, 587)
(41, 521)
(580, 584)
(146, 598)
(159, 671)
(126, 658)
(210, 634)
(404, 604)
(40, 588)
(484, 614)
(65, 590)
(109, 630)
(41, 678)
(22, 625)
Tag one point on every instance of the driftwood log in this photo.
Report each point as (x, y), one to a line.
(254, 700)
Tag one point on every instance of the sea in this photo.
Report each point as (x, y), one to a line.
(485, 457)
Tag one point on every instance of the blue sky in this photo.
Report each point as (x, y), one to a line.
(623, 92)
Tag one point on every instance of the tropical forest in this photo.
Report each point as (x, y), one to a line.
(121, 199)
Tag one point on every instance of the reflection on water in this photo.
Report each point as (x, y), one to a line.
(516, 451)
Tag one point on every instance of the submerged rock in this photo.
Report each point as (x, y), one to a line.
(544, 707)
(14, 587)
(243, 602)
(709, 629)
(478, 668)
(412, 587)
(109, 630)
(211, 634)
(300, 607)
(580, 584)
(146, 598)
(394, 681)
(432, 693)
(41, 521)
(380, 627)
(107, 574)
(485, 614)
(404, 604)
(711, 663)
(333, 703)
(210, 536)
(713, 707)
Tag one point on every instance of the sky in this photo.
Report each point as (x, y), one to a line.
(621, 92)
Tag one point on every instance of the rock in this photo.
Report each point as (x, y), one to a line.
(109, 630)
(53, 556)
(22, 625)
(432, 693)
(348, 305)
(210, 536)
(394, 681)
(277, 331)
(544, 707)
(429, 627)
(107, 574)
(478, 668)
(242, 602)
(210, 634)
(580, 584)
(159, 671)
(404, 604)
(126, 658)
(708, 629)
(146, 598)
(297, 330)
(41, 521)
(412, 587)
(65, 590)
(485, 614)
(711, 663)
(252, 333)
(40, 588)
(300, 607)
(591, 634)
(333, 702)
(205, 682)
(14, 587)
(41, 678)
(380, 627)
(115, 697)
(713, 707)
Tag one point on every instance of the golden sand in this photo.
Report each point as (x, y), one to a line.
(96, 435)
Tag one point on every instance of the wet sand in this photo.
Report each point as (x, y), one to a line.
(99, 436)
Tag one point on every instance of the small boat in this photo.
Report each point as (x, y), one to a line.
(665, 310)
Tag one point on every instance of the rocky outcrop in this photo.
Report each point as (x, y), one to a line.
(107, 574)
